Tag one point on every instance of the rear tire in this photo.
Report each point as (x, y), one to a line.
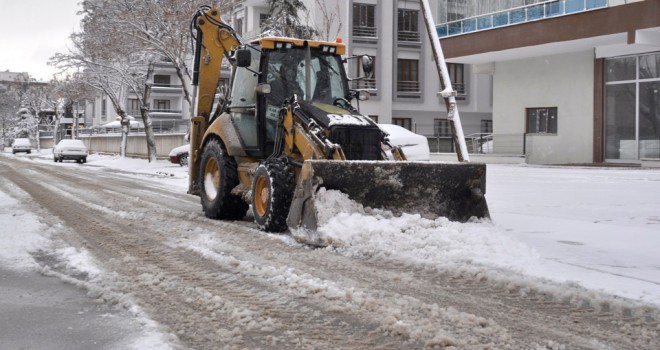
(272, 191)
(217, 177)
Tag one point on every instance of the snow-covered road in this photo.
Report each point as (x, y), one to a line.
(138, 241)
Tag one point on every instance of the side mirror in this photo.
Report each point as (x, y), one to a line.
(243, 58)
(367, 65)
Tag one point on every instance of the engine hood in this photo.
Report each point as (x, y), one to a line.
(329, 116)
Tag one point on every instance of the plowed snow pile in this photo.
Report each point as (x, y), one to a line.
(348, 226)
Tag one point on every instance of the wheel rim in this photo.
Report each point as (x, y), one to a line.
(261, 196)
(211, 179)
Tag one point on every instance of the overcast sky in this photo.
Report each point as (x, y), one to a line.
(31, 31)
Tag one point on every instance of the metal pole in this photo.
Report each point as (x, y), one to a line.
(448, 92)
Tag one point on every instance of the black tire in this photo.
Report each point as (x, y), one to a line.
(84, 160)
(183, 160)
(272, 191)
(217, 177)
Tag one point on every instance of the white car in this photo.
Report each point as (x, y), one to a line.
(21, 145)
(70, 149)
(414, 146)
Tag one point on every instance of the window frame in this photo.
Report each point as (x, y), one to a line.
(162, 80)
(157, 103)
(441, 127)
(456, 73)
(407, 68)
(541, 127)
(405, 123)
(364, 21)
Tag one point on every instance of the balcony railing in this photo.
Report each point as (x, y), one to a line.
(407, 86)
(136, 112)
(459, 88)
(159, 85)
(365, 32)
(164, 110)
(364, 84)
(535, 12)
(408, 36)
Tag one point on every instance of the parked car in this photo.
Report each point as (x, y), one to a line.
(414, 146)
(21, 145)
(179, 155)
(70, 149)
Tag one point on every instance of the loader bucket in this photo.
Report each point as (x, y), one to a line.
(431, 189)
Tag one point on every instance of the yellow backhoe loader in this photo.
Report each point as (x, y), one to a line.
(287, 126)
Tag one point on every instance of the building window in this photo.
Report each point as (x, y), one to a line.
(239, 26)
(162, 105)
(441, 128)
(162, 80)
(133, 106)
(457, 76)
(487, 126)
(374, 118)
(408, 25)
(542, 120)
(364, 20)
(403, 122)
(407, 75)
(366, 83)
(263, 18)
(632, 107)
(104, 107)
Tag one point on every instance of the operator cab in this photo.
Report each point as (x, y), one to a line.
(274, 72)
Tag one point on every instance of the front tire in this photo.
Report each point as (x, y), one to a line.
(183, 160)
(217, 177)
(272, 191)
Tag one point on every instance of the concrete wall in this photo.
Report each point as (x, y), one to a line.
(563, 81)
(137, 144)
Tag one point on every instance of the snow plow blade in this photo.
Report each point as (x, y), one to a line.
(452, 190)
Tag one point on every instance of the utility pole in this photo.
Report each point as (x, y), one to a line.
(448, 93)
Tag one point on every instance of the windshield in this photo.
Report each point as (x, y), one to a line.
(286, 74)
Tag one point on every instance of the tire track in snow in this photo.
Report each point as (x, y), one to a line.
(530, 316)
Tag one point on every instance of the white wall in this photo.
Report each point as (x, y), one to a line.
(563, 81)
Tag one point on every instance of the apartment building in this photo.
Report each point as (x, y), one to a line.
(405, 85)
(168, 109)
(580, 79)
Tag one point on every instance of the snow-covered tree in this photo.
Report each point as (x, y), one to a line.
(70, 91)
(285, 19)
(330, 24)
(21, 102)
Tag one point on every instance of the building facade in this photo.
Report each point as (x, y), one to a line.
(167, 106)
(580, 79)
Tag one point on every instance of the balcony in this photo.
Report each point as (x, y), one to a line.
(363, 84)
(365, 33)
(166, 89)
(408, 89)
(408, 36)
(158, 113)
(535, 12)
